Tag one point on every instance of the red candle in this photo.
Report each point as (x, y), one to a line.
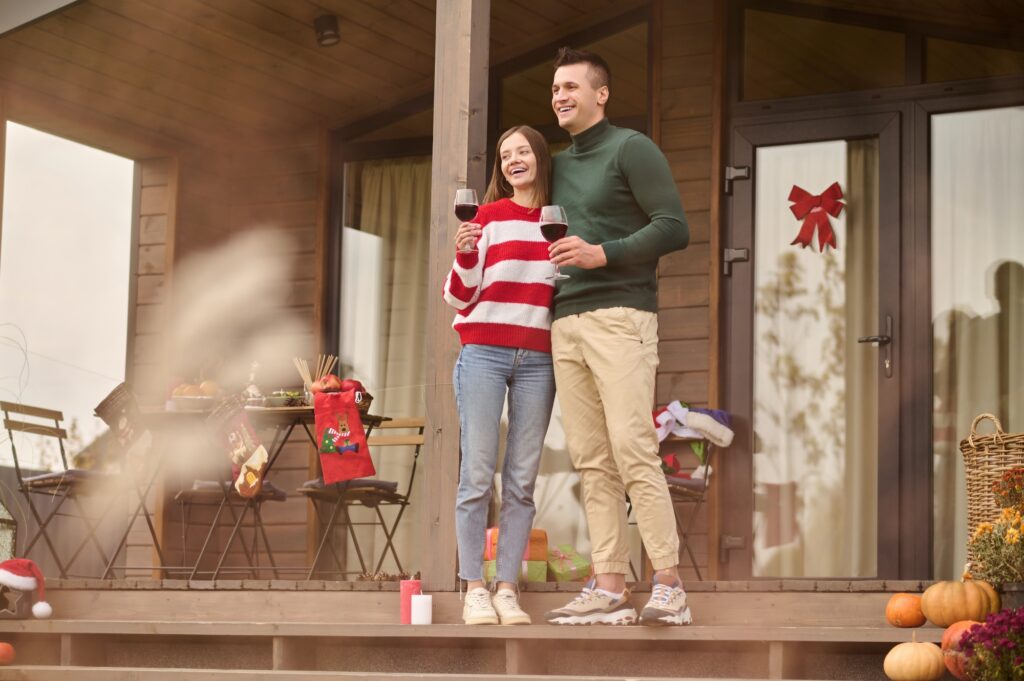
(407, 587)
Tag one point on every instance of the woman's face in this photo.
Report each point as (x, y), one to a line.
(518, 164)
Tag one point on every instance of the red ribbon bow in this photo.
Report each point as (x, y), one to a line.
(814, 211)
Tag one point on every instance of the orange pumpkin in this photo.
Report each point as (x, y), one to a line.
(6, 654)
(994, 602)
(944, 603)
(951, 653)
(904, 610)
(913, 661)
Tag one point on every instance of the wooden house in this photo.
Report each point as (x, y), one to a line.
(850, 373)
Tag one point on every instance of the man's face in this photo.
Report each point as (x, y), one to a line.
(574, 99)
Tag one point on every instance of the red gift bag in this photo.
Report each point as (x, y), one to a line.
(340, 437)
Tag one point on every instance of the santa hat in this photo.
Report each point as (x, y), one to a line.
(22, 574)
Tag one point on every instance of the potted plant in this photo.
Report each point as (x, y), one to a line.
(994, 651)
(999, 554)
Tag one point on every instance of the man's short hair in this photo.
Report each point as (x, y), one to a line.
(600, 73)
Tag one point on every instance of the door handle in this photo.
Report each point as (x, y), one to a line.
(880, 340)
(883, 341)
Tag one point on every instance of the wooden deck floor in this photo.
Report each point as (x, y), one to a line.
(145, 629)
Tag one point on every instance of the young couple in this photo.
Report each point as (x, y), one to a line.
(594, 336)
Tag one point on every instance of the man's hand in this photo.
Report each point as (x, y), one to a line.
(574, 251)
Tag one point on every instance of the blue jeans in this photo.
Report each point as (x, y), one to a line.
(482, 376)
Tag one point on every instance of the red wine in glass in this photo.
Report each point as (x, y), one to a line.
(466, 206)
(553, 231)
(553, 226)
(465, 211)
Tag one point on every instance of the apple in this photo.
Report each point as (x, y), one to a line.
(326, 384)
(352, 384)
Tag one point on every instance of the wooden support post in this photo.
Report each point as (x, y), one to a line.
(459, 159)
(775, 659)
(3, 162)
(525, 657)
(294, 653)
(80, 650)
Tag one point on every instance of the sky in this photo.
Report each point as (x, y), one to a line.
(65, 246)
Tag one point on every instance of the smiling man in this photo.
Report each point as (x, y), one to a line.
(624, 213)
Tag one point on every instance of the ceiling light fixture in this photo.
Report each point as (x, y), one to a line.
(327, 33)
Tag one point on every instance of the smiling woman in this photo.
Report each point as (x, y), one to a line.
(65, 257)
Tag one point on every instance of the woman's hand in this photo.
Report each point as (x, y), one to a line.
(467, 236)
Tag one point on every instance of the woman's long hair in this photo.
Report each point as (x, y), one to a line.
(499, 188)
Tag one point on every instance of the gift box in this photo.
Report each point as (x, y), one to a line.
(536, 547)
(529, 571)
(567, 565)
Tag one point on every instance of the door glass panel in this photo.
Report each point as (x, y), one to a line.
(815, 388)
(977, 227)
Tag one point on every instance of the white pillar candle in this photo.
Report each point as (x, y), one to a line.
(422, 609)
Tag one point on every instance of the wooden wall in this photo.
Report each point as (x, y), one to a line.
(684, 130)
(156, 201)
(155, 205)
(272, 186)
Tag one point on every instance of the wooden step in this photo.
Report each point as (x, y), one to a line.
(210, 604)
(701, 650)
(537, 632)
(43, 673)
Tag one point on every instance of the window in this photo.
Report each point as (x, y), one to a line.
(949, 60)
(65, 258)
(787, 56)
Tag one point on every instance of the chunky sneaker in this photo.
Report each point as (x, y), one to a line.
(594, 607)
(667, 606)
(477, 608)
(507, 606)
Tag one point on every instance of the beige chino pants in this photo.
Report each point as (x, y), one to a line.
(605, 365)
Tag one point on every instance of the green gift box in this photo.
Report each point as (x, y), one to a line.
(529, 571)
(567, 565)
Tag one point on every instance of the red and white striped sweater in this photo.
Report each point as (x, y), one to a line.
(501, 291)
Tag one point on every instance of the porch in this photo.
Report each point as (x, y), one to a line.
(238, 124)
(283, 630)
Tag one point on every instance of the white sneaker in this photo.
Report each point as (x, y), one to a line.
(507, 606)
(666, 607)
(477, 608)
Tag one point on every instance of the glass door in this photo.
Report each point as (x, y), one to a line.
(812, 306)
(976, 212)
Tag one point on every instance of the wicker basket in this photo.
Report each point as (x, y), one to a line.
(986, 458)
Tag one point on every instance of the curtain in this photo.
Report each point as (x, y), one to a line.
(977, 225)
(395, 200)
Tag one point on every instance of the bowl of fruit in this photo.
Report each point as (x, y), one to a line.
(286, 398)
(195, 396)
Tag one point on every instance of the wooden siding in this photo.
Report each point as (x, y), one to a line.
(156, 200)
(686, 317)
(685, 129)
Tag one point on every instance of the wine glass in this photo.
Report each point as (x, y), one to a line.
(553, 226)
(466, 206)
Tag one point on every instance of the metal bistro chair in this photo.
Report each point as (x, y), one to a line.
(367, 492)
(58, 488)
(683, 489)
(221, 495)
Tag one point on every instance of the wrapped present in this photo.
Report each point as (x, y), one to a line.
(529, 571)
(567, 565)
(536, 547)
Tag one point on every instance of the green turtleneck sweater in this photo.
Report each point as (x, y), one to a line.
(617, 191)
